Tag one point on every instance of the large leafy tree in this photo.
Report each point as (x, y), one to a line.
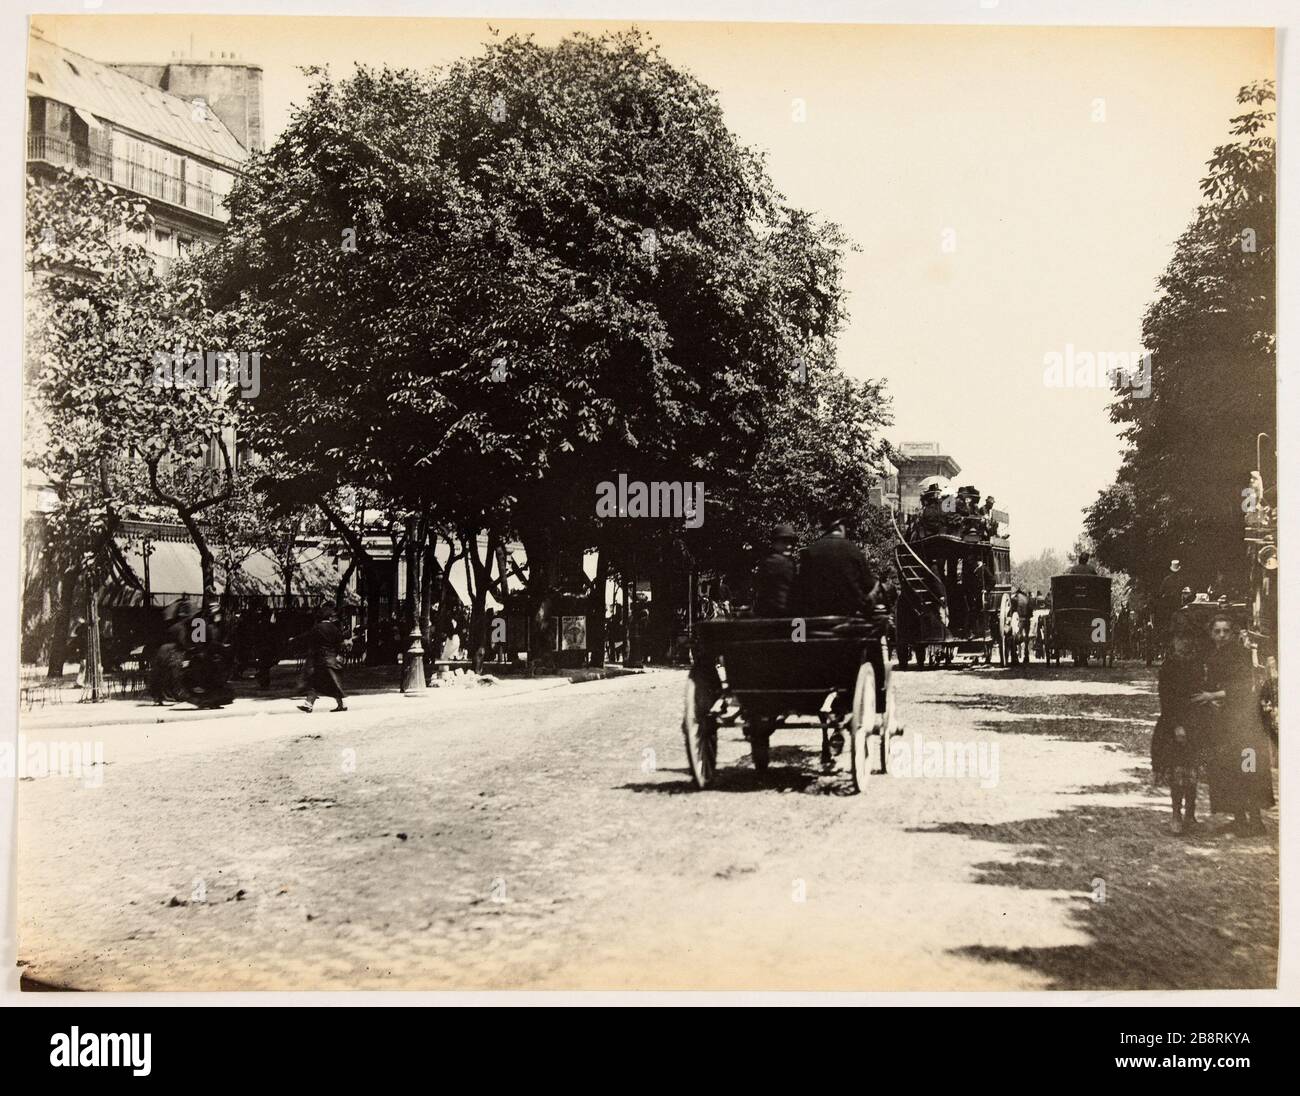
(1191, 444)
(106, 431)
(488, 288)
(81, 266)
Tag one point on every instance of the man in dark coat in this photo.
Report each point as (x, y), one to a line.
(1083, 567)
(1168, 598)
(775, 579)
(324, 660)
(835, 578)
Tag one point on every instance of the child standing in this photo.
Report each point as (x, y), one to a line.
(1176, 747)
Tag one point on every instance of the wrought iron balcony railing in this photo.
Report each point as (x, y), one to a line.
(122, 172)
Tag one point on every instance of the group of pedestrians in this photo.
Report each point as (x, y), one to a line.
(1211, 728)
(192, 664)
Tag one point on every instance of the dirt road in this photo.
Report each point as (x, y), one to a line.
(553, 841)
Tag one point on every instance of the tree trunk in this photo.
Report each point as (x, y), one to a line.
(596, 614)
(482, 583)
(541, 578)
(341, 590)
(429, 574)
(61, 618)
(371, 570)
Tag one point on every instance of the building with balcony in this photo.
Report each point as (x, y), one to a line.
(170, 137)
(176, 134)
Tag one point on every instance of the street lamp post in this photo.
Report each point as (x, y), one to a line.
(146, 551)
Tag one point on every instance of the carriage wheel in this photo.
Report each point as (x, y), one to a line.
(701, 733)
(861, 724)
(888, 723)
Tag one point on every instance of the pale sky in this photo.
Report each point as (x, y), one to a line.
(911, 135)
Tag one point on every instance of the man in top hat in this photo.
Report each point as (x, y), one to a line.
(835, 578)
(776, 575)
(1169, 597)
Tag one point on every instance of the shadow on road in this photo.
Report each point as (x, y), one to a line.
(792, 769)
(1079, 717)
(1162, 912)
(1124, 673)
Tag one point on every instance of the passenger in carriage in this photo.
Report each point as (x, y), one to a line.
(968, 514)
(929, 522)
(775, 579)
(956, 602)
(986, 513)
(835, 578)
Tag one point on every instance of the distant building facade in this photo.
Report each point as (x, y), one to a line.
(917, 461)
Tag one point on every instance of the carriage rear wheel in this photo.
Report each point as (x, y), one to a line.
(700, 730)
(861, 724)
(888, 723)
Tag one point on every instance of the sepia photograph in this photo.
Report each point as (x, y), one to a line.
(638, 504)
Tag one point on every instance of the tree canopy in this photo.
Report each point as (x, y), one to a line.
(1191, 445)
(490, 287)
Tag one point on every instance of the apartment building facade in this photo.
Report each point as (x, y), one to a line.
(159, 131)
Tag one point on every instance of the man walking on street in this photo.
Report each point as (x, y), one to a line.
(324, 660)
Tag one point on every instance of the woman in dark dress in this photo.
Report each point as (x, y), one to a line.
(1240, 763)
(1177, 744)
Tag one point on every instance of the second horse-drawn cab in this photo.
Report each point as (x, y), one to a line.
(1080, 619)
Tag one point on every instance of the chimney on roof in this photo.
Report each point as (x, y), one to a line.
(229, 89)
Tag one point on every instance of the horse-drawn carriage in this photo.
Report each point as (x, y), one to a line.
(776, 671)
(1080, 620)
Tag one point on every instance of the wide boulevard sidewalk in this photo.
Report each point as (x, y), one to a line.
(368, 689)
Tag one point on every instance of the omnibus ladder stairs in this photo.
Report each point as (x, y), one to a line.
(919, 582)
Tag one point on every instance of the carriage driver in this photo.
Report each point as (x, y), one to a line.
(835, 579)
